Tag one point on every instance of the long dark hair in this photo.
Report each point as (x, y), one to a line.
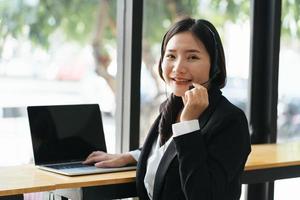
(208, 35)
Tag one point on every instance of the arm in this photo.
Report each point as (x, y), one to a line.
(207, 169)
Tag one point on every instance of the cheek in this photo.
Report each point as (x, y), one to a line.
(200, 74)
(166, 70)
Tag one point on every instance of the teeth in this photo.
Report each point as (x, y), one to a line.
(181, 80)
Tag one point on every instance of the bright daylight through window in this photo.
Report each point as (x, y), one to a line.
(54, 52)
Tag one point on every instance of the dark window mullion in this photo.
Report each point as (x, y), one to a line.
(130, 17)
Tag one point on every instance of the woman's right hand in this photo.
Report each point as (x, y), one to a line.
(102, 159)
(195, 102)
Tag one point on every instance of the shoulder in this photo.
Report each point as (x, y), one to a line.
(229, 123)
(227, 110)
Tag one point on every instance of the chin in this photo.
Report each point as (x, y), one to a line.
(179, 93)
(179, 90)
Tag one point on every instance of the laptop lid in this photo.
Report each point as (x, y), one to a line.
(65, 133)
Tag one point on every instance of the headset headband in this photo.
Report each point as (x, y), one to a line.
(215, 70)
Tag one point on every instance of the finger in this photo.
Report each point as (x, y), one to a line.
(188, 96)
(91, 154)
(104, 164)
(191, 87)
(96, 158)
(200, 91)
(87, 161)
(94, 153)
(197, 85)
(91, 160)
(108, 163)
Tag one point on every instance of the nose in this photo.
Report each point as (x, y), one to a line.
(179, 66)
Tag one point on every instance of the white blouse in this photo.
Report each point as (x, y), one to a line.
(154, 158)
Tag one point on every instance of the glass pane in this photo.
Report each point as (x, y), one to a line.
(288, 121)
(289, 83)
(54, 52)
(233, 23)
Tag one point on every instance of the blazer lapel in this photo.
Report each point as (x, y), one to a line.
(167, 158)
(214, 97)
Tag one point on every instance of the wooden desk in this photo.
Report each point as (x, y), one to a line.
(270, 162)
(267, 162)
(27, 178)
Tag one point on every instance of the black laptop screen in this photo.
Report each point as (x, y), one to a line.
(65, 133)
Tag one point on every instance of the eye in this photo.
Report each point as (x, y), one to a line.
(170, 56)
(193, 57)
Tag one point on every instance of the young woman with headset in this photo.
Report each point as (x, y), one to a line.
(198, 145)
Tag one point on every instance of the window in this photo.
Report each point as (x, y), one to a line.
(288, 121)
(54, 52)
(289, 83)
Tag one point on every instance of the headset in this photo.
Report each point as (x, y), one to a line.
(214, 67)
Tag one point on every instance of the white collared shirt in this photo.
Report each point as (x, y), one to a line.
(154, 158)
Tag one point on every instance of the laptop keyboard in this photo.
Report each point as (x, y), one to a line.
(70, 166)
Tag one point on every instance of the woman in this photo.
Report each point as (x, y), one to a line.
(198, 145)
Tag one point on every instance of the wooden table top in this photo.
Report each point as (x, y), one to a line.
(27, 178)
(265, 156)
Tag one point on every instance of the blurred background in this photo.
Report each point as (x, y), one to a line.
(65, 51)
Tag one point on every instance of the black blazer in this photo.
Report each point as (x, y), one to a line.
(202, 165)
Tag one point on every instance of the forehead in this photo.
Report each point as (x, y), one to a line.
(183, 41)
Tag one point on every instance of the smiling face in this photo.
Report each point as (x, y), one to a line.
(185, 61)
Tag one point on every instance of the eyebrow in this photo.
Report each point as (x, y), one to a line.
(188, 51)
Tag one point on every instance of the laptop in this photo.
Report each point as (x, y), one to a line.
(64, 135)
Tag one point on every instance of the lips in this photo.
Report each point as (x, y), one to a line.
(181, 81)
